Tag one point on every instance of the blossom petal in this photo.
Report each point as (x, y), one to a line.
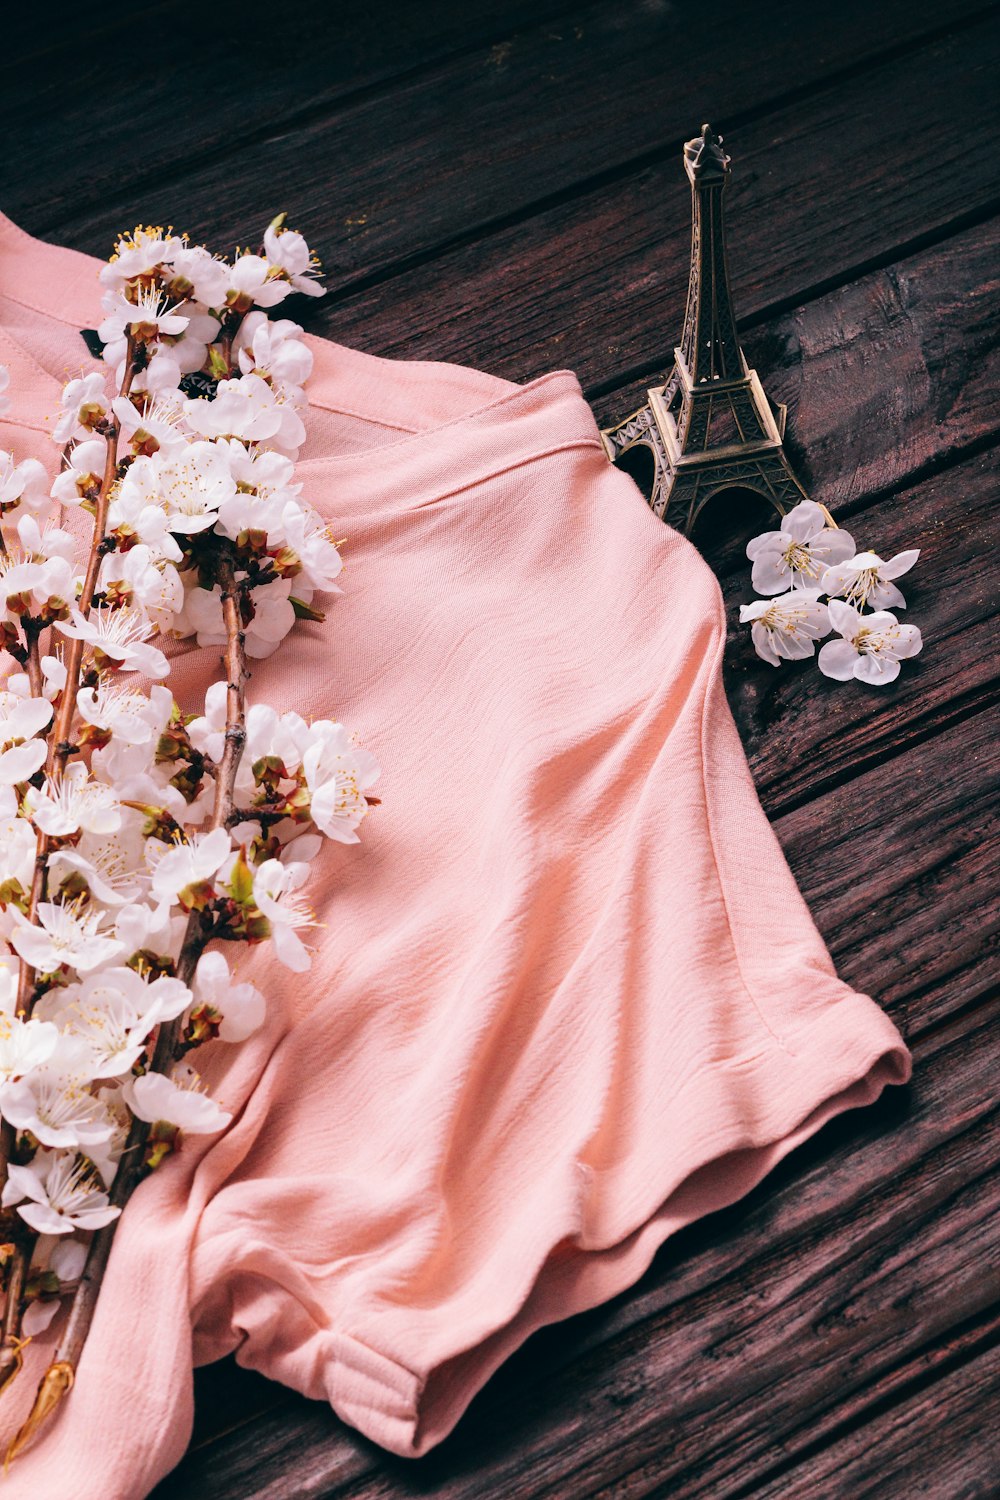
(886, 596)
(44, 1219)
(763, 645)
(833, 545)
(877, 669)
(22, 761)
(838, 659)
(770, 575)
(803, 521)
(900, 563)
(908, 640)
(844, 618)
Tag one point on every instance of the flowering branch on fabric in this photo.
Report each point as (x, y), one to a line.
(807, 558)
(137, 831)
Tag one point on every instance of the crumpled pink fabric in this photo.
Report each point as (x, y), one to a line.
(566, 997)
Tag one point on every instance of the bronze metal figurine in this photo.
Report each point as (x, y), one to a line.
(710, 427)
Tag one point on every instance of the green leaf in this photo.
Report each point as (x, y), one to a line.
(305, 611)
(217, 363)
(241, 881)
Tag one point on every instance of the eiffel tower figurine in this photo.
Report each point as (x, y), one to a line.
(710, 426)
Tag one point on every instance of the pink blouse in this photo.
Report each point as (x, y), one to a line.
(566, 995)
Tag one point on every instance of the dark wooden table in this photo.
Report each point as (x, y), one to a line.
(501, 185)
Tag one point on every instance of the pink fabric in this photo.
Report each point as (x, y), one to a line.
(567, 996)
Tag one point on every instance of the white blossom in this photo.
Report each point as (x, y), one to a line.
(147, 316)
(787, 626)
(273, 350)
(67, 932)
(195, 272)
(24, 1045)
(83, 473)
(139, 255)
(54, 1100)
(24, 488)
(22, 753)
(18, 842)
(156, 428)
(190, 485)
(112, 865)
(190, 864)
(273, 617)
(287, 251)
(61, 1191)
(241, 1006)
(119, 637)
(870, 647)
(866, 579)
(796, 555)
(118, 709)
(308, 536)
(85, 403)
(178, 1100)
(75, 802)
(338, 773)
(114, 1012)
(276, 894)
(248, 409)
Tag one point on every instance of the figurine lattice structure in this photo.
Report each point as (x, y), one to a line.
(711, 426)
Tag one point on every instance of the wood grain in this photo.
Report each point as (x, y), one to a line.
(273, 80)
(887, 1457)
(898, 866)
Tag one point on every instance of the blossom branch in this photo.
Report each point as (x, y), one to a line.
(60, 743)
(59, 1377)
(59, 749)
(126, 811)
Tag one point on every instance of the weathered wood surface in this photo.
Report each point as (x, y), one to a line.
(446, 153)
(503, 187)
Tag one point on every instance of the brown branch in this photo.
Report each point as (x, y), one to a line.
(60, 741)
(59, 1376)
(59, 746)
(59, 734)
(34, 661)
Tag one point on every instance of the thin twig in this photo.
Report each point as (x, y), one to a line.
(59, 747)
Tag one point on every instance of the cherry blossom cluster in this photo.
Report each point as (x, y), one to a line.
(810, 557)
(136, 831)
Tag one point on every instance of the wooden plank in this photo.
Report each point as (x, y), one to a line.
(26, 43)
(944, 1440)
(899, 869)
(826, 1279)
(805, 733)
(476, 140)
(272, 79)
(821, 189)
